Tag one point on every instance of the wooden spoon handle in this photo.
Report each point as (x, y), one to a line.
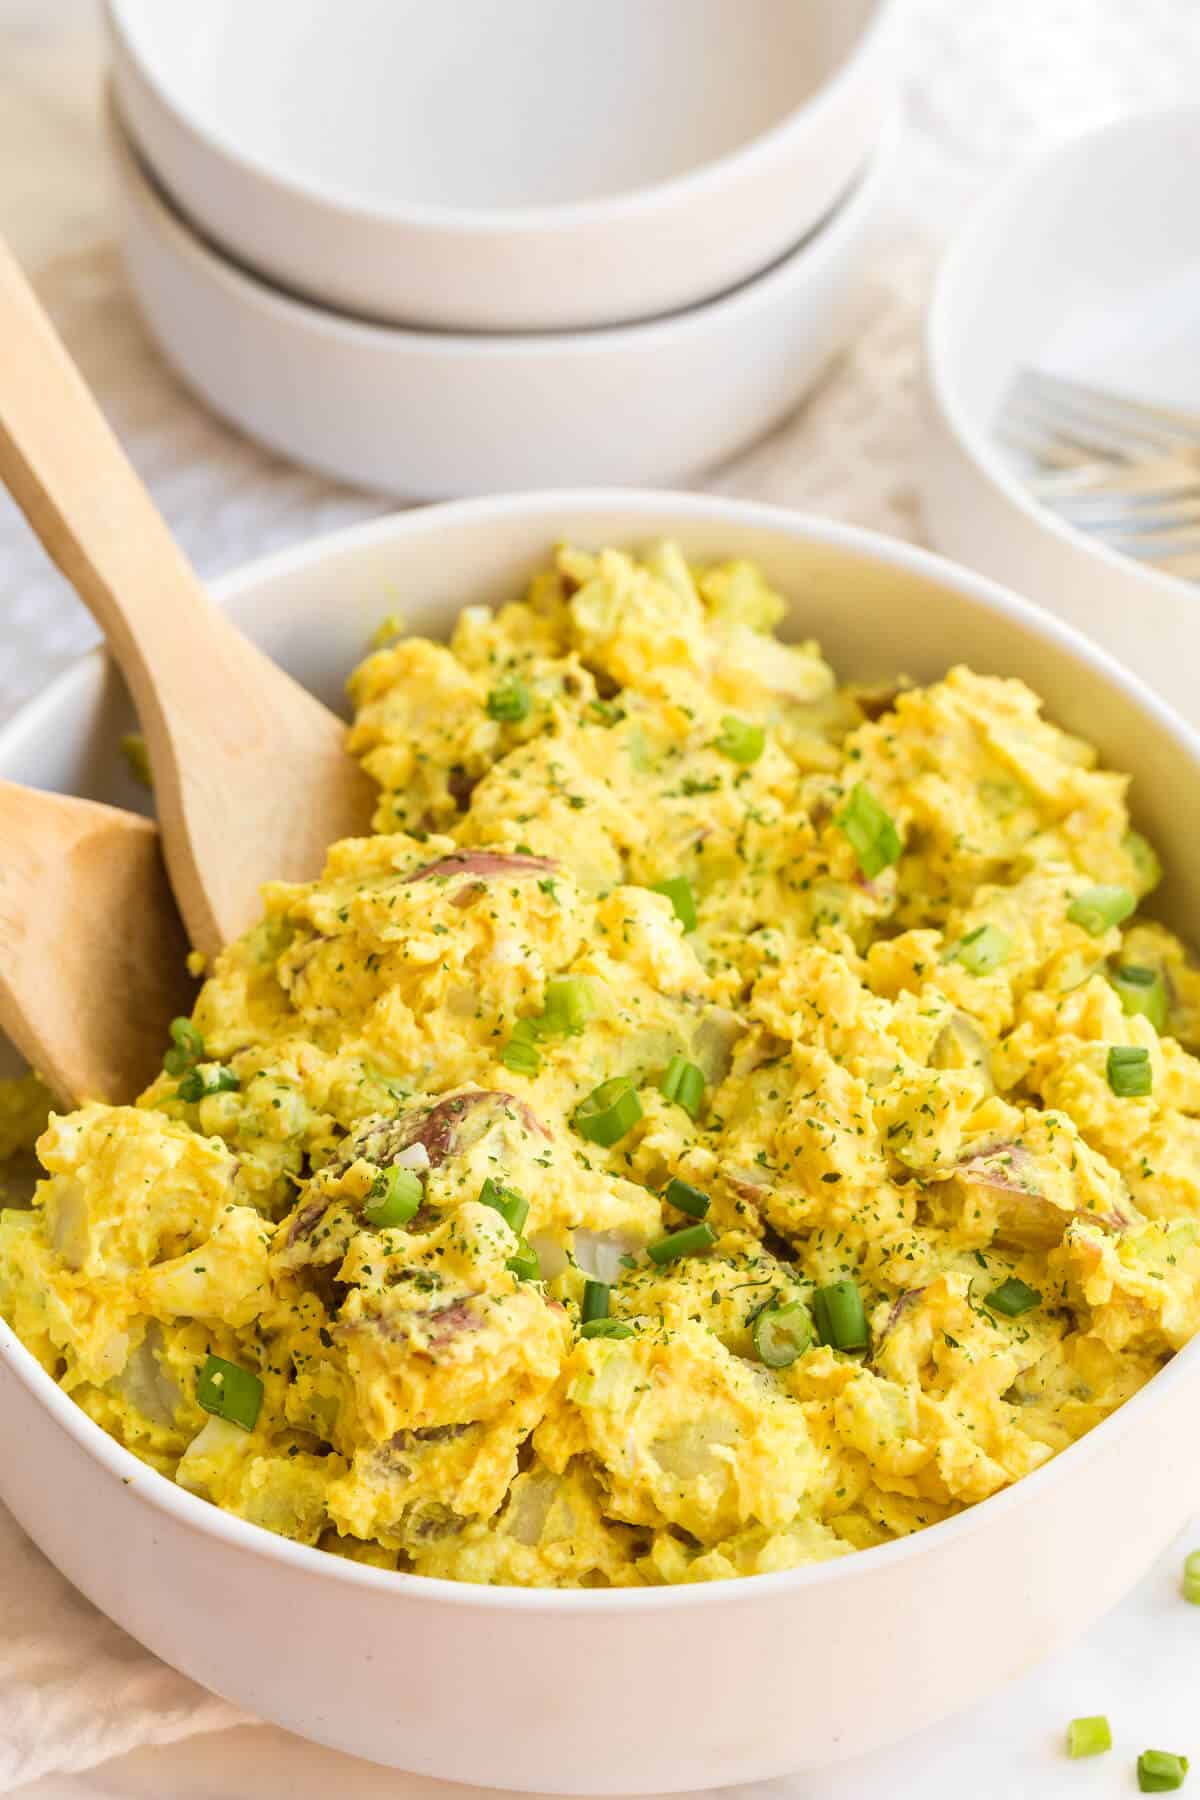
(249, 772)
(71, 479)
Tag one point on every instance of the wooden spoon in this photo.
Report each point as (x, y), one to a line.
(92, 950)
(250, 774)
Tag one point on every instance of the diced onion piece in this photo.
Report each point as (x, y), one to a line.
(415, 1157)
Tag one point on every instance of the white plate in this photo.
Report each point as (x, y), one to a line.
(1085, 262)
(622, 1691)
(428, 414)
(524, 166)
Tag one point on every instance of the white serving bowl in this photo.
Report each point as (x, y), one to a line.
(525, 166)
(428, 414)
(621, 1692)
(1085, 261)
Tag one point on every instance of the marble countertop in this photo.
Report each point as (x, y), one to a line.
(988, 79)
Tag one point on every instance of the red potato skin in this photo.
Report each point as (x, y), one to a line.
(483, 864)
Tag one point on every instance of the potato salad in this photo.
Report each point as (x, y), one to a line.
(722, 1120)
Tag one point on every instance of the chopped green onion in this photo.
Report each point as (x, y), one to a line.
(687, 1199)
(520, 1055)
(782, 1333)
(1142, 855)
(871, 831)
(509, 701)
(509, 1202)
(678, 890)
(394, 1199)
(524, 1264)
(1143, 992)
(232, 1393)
(688, 1242)
(1089, 1737)
(137, 759)
(1098, 908)
(683, 1082)
(595, 1301)
(567, 1007)
(984, 949)
(1129, 1073)
(606, 1328)
(1160, 1772)
(1012, 1298)
(840, 1316)
(1191, 1577)
(197, 1084)
(187, 1047)
(608, 1112)
(739, 740)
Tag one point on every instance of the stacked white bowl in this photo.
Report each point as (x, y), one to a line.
(437, 250)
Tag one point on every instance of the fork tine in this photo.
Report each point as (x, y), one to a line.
(1061, 419)
(1164, 475)
(1149, 544)
(1120, 523)
(1184, 568)
(1177, 425)
(1092, 496)
(1047, 444)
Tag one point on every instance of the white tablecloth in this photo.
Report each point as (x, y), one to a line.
(988, 80)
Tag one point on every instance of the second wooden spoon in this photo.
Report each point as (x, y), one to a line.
(251, 779)
(92, 951)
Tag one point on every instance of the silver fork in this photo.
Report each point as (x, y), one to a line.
(1122, 470)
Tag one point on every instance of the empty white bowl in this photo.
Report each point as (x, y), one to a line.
(643, 1690)
(536, 165)
(1086, 262)
(425, 414)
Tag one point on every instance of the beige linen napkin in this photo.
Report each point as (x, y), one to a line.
(75, 1690)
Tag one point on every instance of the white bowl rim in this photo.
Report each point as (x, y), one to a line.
(965, 253)
(696, 184)
(824, 241)
(202, 1515)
